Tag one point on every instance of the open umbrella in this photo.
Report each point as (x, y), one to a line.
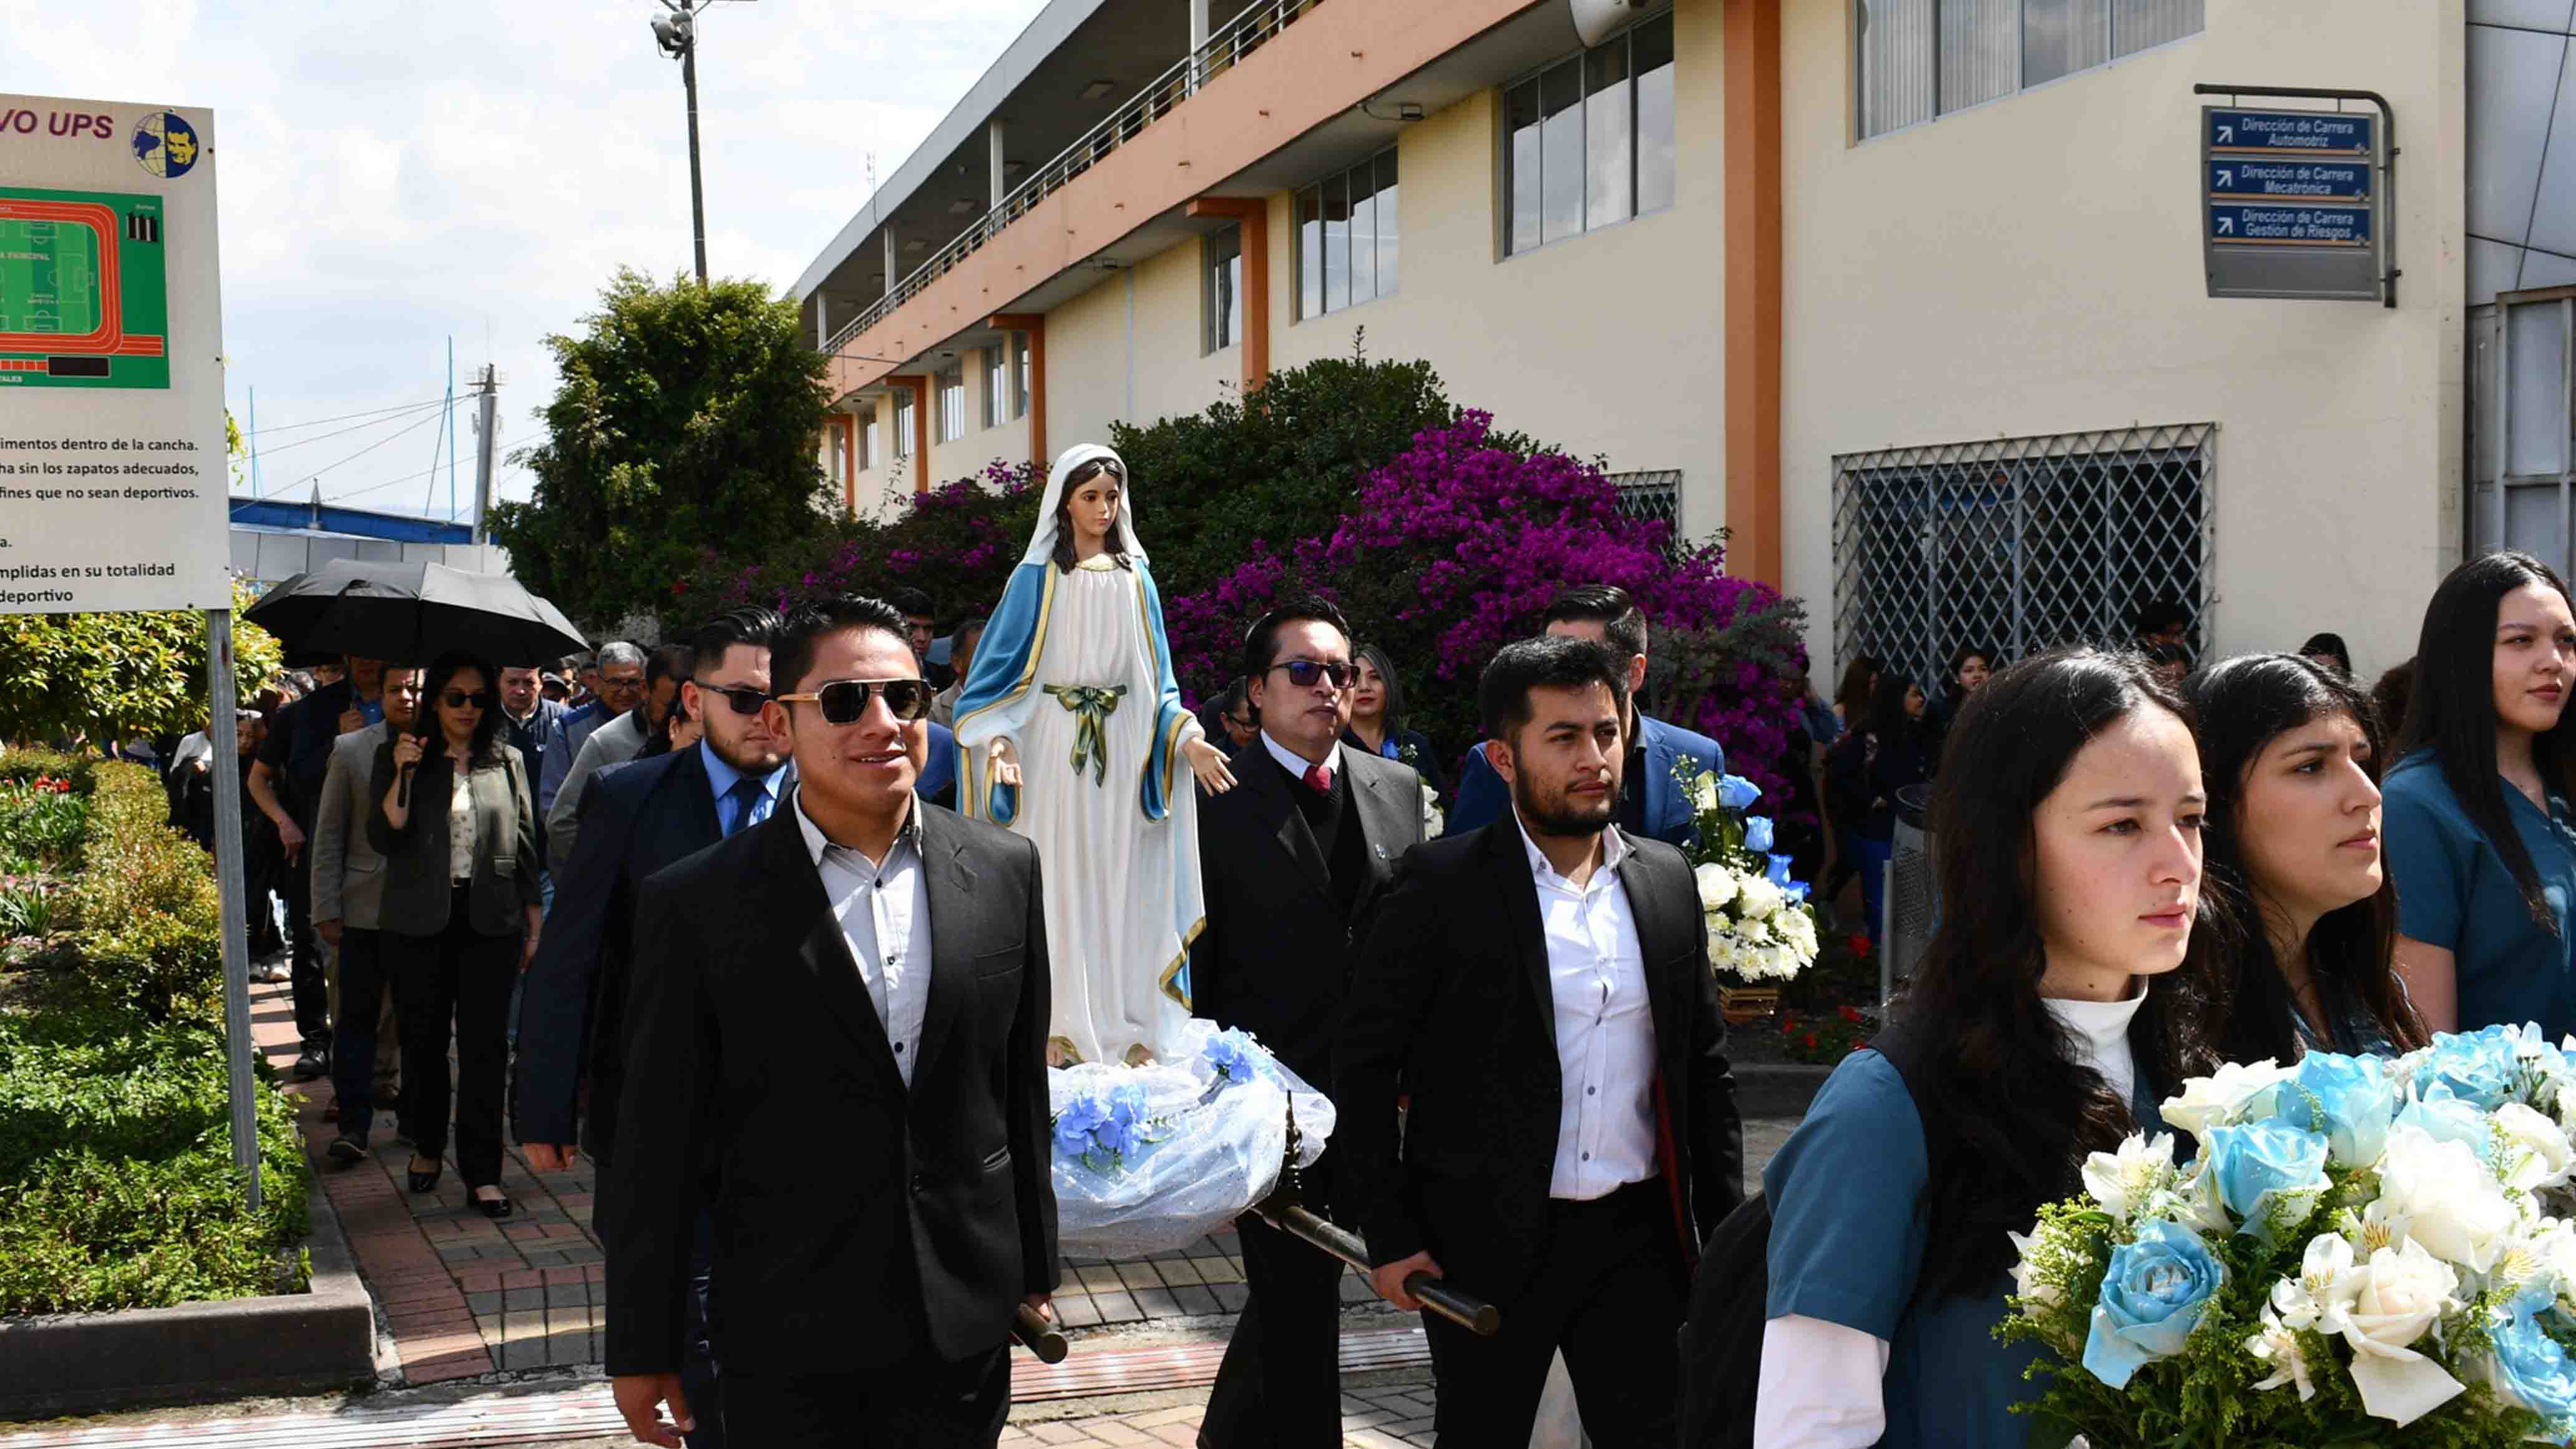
(413, 612)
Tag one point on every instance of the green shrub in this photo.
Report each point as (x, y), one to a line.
(17, 767)
(42, 822)
(145, 905)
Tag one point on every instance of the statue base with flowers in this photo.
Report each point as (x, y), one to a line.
(2362, 1251)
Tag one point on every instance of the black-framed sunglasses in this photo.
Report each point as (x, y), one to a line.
(742, 699)
(459, 699)
(1304, 672)
(1094, 469)
(844, 700)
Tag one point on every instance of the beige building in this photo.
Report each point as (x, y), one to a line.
(1907, 294)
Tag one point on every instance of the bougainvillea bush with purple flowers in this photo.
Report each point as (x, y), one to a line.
(956, 543)
(1455, 547)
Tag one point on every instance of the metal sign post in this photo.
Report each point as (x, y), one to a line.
(224, 737)
(2296, 204)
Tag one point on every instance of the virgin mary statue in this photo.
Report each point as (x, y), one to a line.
(1070, 731)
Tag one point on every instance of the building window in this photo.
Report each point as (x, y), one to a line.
(871, 447)
(952, 406)
(1020, 372)
(2019, 544)
(997, 386)
(1222, 300)
(1347, 238)
(1653, 497)
(1590, 139)
(903, 426)
(1925, 58)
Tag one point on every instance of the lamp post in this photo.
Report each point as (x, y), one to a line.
(677, 33)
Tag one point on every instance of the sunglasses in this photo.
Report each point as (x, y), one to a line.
(1304, 672)
(459, 699)
(1094, 469)
(844, 700)
(743, 700)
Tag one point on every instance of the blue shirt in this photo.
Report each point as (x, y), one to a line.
(2453, 891)
(723, 777)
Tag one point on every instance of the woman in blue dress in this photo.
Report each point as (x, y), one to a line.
(2061, 998)
(2291, 754)
(2479, 839)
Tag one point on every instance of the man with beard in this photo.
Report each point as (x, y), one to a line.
(636, 819)
(1540, 990)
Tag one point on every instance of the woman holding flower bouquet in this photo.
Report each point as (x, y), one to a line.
(2069, 856)
(2290, 753)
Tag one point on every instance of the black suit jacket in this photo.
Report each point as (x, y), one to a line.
(1275, 957)
(1451, 1005)
(636, 820)
(857, 1222)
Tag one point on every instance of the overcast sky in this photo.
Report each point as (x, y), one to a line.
(393, 174)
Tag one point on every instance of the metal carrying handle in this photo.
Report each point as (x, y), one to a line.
(1039, 1336)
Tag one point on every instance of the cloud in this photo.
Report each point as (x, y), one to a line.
(393, 175)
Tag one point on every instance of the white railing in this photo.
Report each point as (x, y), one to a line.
(1236, 40)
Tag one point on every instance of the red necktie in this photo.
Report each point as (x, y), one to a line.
(1319, 779)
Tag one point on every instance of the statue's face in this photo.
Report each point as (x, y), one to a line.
(1093, 507)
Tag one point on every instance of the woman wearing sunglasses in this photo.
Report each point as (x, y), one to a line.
(456, 821)
(1071, 731)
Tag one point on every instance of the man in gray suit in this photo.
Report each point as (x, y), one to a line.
(348, 893)
(621, 688)
(615, 743)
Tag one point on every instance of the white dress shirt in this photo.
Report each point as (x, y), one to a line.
(1297, 764)
(1821, 1382)
(884, 911)
(1605, 1027)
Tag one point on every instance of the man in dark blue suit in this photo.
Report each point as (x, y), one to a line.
(1651, 802)
(635, 820)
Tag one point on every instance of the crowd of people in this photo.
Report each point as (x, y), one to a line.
(2144, 868)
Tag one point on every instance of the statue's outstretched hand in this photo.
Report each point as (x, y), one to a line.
(1006, 764)
(1208, 763)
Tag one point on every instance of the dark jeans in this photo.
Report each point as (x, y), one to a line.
(1609, 1291)
(311, 988)
(461, 976)
(354, 1045)
(927, 1403)
(1280, 1383)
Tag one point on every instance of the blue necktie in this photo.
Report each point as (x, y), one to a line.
(746, 796)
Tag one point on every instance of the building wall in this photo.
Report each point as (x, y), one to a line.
(2033, 266)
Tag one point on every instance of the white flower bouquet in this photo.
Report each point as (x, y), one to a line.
(1760, 927)
(2363, 1251)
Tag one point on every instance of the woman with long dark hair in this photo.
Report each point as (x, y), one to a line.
(1377, 718)
(2060, 999)
(2479, 838)
(1894, 753)
(456, 821)
(2291, 754)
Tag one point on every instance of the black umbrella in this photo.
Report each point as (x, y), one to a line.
(413, 612)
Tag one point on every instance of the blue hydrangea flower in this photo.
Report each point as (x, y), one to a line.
(2349, 1099)
(1075, 1124)
(1229, 1056)
(1757, 833)
(2152, 1298)
(1736, 792)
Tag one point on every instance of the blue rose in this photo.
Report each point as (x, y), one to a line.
(2478, 1067)
(2152, 1298)
(2264, 1166)
(2531, 1369)
(1757, 833)
(1777, 870)
(2449, 1119)
(1736, 792)
(1796, 891)
(2349, 1099)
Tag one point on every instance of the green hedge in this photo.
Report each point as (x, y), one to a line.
(116, 1180)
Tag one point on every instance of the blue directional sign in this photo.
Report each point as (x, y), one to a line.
(2238, 224)
(2306, 179)
(2299, 133)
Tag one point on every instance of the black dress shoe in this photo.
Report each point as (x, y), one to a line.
(423, 1182)
(346, 1150)
(494, 1207)
(314, 1063)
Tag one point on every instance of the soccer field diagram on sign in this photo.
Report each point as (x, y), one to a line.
(84, 293)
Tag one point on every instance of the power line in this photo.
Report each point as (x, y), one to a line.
(409, 477)
(316, 475)
(355, 428)
(342, 418)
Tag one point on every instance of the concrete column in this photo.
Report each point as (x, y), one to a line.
(993, 151)
(822, 322)
(1198, 37)
(892, 276)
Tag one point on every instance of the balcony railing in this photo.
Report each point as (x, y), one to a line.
(1237, 39)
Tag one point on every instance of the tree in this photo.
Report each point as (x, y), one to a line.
(112, 675)
(685, 421)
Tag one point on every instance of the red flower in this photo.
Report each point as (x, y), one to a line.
(1859, 945)
(1852, 1015)
(1811, 1041)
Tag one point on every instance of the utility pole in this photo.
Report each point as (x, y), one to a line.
(678, 37)
(487, 405)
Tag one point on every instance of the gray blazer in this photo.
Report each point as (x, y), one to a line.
(417, 889)
(348, 870)
(614, 743)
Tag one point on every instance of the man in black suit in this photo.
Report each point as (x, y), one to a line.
(844, 1010)
(637, 819)
(1288, 863)
(1540, 989)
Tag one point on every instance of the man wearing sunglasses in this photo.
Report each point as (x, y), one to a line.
(615, 682)
(1289, 864)
(868, 961)
(636, 819)
(622, 739)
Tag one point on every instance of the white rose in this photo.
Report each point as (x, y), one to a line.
(2123, 1182)
(1716, 886)
(2451, 1204)
(2532, 1152)
(1798, 928)
(1756, 933)
(2217, 1101)
(2406, 1290)
(1759, 898)
(2274, 1343)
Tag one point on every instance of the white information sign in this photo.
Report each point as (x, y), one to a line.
(113, 476)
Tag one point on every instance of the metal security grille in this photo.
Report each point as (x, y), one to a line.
(2017, 544)
(1652, 497)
